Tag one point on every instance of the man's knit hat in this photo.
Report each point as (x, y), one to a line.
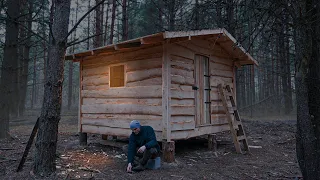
(134, 124)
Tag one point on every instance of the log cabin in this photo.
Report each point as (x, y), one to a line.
(167, 80)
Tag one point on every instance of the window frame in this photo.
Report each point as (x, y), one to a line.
(124, 74)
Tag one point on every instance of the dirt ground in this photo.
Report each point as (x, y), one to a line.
(275, 160)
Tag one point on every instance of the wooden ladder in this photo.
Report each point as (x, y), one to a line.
(236, 127)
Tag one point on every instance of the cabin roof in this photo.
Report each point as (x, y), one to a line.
(220, 37)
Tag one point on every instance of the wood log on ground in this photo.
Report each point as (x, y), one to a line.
(30, 141)
(212, 142)
(168, 149)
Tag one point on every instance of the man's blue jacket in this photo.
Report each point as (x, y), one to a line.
(145, 137)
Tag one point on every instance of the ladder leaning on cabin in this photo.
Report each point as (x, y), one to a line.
(236, 127)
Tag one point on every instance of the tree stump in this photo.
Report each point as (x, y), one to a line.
(212, 142)
(168, 149)
(83, 139)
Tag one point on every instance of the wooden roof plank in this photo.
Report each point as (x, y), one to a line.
(175, 34)
(220, 36)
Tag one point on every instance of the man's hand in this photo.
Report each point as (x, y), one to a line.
(129, 168)
(142, 149)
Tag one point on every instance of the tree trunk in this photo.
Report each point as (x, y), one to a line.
(70, 85)
(230, 17)
(118, 24)
(34, 85)
(285, 74)
(46, 143)
(70, 76)
(124, 21)
(272, 90)
(252, 89)
(106, 25)
(308, 86)
(88, 30)
(15, 86)
(288, 96)
(24, 70)
(171, 7)
(98, 38)
(219, 14)
(196, 20)
(113, 18)
(9, 65)
(160, 13)
(45, 59)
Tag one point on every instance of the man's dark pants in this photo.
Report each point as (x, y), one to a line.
(142, 158)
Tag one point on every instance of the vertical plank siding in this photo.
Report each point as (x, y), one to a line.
(182, 95)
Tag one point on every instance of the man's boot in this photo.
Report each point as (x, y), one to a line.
(139, 167)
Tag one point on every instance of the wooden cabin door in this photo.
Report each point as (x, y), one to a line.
(202, 90)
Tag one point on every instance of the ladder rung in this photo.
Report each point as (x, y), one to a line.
(237, 123)
(231, 111)
(241, 137)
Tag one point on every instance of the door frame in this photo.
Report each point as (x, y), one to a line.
(199, 62)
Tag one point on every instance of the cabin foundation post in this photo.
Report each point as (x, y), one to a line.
(83, 139)
(108, 137)
(168, 149)
(212, 142)
(104, 137)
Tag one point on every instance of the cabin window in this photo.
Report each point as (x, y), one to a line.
(117, 76)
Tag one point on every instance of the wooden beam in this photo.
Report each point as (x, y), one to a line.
(191, 33)
(196, 92)
(122, 109)
(104, 50)
(237, 63)
(199, 131)
(122, 132)
(69, 57)
(128, 45)
(83, 140)
(212, 142)
(80, 96)
(120, 123)
(234, 84)
(151, 40)
(166, 97)
(125, 92)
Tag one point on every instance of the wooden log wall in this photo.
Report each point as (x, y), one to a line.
(108, 110)
(182, 96)
(183, 107)
(220, 73)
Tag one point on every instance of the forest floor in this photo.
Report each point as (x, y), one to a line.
(273, 155)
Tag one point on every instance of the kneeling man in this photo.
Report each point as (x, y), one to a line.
(142, 146)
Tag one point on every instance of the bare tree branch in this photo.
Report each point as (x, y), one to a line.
(77, 42)
(76, 25)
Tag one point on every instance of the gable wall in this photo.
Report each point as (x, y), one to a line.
(106, 110)
(221, 71)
